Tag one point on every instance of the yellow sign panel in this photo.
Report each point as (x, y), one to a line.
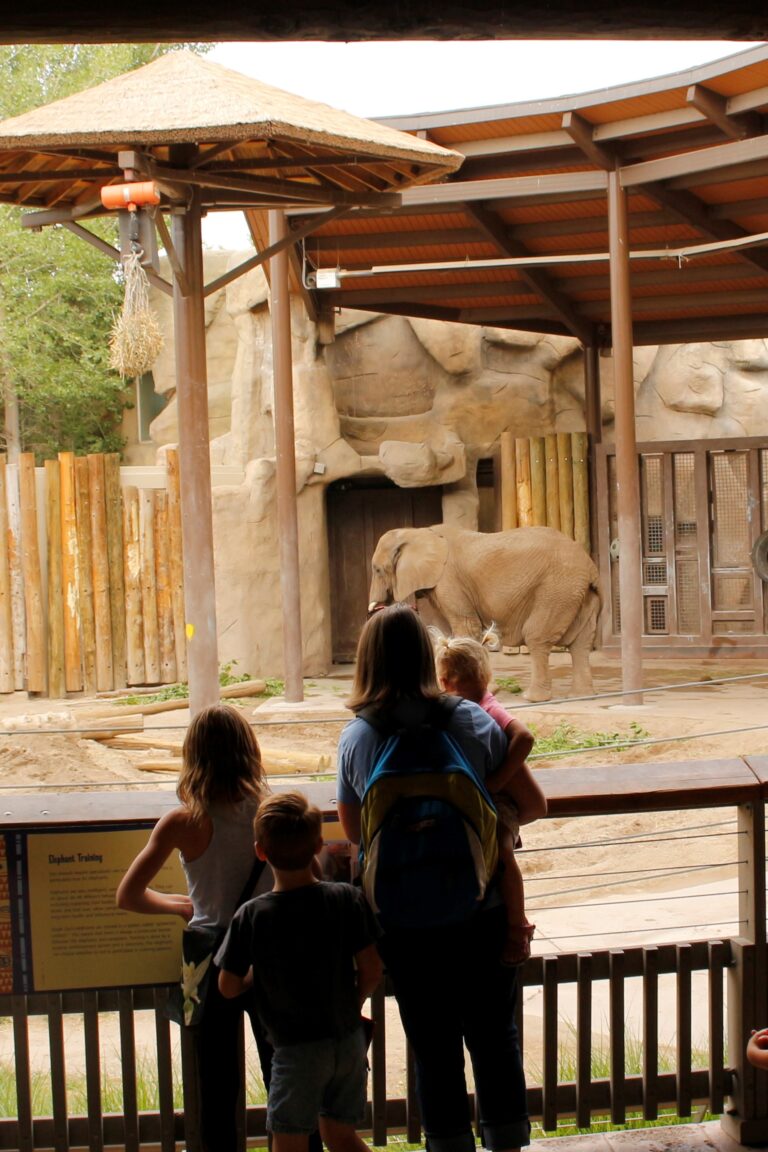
(79, 938)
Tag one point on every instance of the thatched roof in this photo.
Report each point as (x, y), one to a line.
(184, 98)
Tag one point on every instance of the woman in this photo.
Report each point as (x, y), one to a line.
(450, 984)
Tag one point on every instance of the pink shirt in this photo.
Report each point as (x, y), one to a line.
(495, 710)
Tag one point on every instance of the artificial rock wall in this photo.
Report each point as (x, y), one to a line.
(418, 401)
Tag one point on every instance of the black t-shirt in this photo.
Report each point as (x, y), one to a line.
(301, 944)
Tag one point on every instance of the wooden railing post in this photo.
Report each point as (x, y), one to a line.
(746, 1115)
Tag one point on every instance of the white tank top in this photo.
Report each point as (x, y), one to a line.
(216, 879)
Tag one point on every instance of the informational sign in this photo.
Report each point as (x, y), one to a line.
(59, 925)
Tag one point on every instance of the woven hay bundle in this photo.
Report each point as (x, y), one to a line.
(135, 341)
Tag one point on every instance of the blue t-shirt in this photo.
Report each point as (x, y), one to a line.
(483, 742)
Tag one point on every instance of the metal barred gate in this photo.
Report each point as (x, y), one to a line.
(704, 505)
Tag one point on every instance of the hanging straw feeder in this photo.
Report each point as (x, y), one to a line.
(135, 341)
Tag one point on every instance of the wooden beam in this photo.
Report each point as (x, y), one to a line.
(493, 227)
(690, 209)
(702, 160)
(581, 132)
(531, 187)
(715, 108)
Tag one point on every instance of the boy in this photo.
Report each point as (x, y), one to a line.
(307, 948)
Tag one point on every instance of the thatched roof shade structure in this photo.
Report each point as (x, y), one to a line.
(255, 143)
(210, 139)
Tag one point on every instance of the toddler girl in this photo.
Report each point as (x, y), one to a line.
(464, 669)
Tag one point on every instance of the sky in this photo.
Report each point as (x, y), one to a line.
(394, 78)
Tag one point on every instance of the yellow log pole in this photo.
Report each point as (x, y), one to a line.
(7, 678)
(85, 573)
(581, 489)
(56, 681)
(508, 481)
(101, 607)
(565, 482)
(173, 488)
(148, 588)
(523, 472)
(33, 584)
(18, 610)
(538, 481)
(166, 641)
(134, 621)
(553, 481)
(114, 512)
(73, 658)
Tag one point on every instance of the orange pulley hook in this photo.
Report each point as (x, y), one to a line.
(131, 196)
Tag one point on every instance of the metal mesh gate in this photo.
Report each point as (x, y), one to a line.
(703, 505)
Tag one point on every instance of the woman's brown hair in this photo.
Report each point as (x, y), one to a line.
(394, 660)
(221, 761)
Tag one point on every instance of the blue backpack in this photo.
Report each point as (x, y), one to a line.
(428, 825)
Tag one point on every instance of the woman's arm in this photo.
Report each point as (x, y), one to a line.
(349, 815)
(134, 893)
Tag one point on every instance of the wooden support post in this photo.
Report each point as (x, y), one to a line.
(56, 680)
(553, 481)
(508, 481)
(134, 618)
(565, 482)
(194, 450)
(36, 679)
(148, 588)
(523, 472)
(7, 679)
(85, 573)
(100, 559)
(287, 513)
(73, 664)
(166, 644)
(176, 548)
(114, 512)
(627, 480)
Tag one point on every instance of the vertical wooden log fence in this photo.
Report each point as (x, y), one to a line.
(103, 605)
(545, 480)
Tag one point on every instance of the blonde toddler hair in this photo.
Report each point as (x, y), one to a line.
(460, 658)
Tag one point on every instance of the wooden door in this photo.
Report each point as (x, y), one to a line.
(358, 514)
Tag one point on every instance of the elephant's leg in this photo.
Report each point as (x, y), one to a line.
(540, 685)
(582, 672)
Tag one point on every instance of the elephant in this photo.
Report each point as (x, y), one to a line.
(537, 585)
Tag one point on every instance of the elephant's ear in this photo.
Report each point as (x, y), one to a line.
(419, 563)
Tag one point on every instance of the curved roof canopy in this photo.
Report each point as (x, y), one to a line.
(519, 238)
(253, 144)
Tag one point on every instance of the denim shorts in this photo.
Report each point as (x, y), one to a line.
(318, 1078)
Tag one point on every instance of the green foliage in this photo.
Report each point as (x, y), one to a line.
(567, 738)
(507, 683)
(273, 687)
(58, 295)
(181, 691)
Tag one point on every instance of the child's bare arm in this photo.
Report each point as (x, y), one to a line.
(520, 742)
(134, 893)
(369, 972)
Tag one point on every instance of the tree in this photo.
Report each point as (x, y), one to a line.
(58, 295)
